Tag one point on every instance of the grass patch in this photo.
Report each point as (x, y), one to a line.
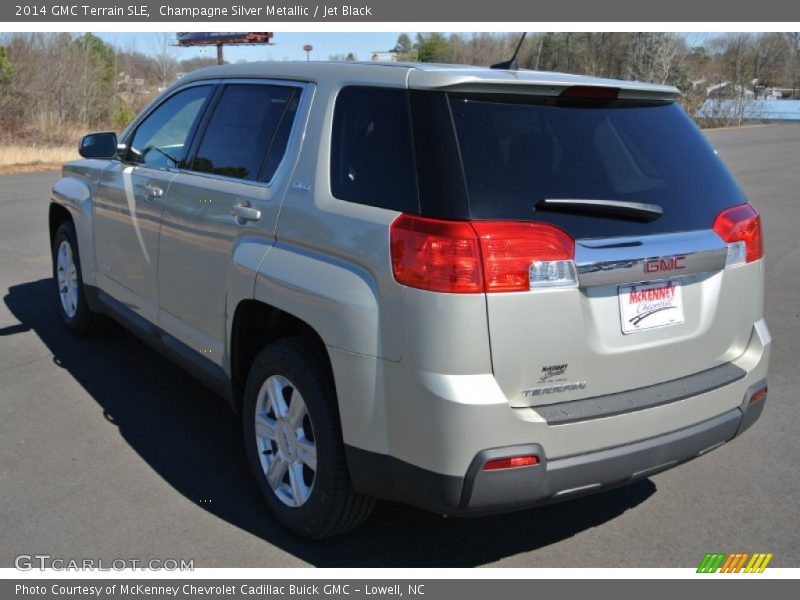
(23, 158)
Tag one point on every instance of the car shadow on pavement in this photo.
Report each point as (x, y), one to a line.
(190, 437)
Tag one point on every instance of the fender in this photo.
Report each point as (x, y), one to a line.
(74, 191)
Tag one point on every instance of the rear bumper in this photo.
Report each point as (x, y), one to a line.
(481, 492)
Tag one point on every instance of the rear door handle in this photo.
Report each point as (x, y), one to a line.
(152, 192)
(244, 212)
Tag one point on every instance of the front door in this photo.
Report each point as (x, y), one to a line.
(129, 200)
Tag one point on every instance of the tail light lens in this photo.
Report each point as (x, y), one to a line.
(521, 256)
(740, 227)
(440, 256)
(487, 256)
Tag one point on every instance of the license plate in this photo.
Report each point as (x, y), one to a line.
(645, 306)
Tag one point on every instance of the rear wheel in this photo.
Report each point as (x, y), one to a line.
(76, 315)
(294, 442)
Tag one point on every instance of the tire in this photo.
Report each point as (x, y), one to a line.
(311, 503)
(70, 295)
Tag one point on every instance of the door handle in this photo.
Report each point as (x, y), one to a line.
(152, 192)
(244, 212)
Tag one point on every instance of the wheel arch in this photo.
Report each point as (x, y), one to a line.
(256, 324)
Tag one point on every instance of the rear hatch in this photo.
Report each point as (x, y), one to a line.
(638, 188)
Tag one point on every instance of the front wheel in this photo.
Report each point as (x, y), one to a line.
(76, 315)
(294, 442)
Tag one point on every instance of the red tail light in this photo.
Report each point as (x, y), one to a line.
(740, 225)
(509, 249)
(471, 257)
(527, 460)
(441, 256)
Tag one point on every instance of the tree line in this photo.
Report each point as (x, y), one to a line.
(54, 86)
(745, 61)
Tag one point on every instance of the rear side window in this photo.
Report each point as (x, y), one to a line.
(372, 155)
(249, 123)
(516, 153)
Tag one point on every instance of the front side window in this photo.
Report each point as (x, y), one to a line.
(372, 154)
(161, 140)
(247, 135)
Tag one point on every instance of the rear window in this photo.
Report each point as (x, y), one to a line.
(516, 153)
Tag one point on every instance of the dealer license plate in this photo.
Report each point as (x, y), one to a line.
(645, 306)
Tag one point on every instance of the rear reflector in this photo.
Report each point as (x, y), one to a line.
(740, 227)
(758, 395)
(512, 462)
(480, 256)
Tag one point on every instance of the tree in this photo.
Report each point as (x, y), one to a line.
(6, 70)
(432, 47)
(404, 48)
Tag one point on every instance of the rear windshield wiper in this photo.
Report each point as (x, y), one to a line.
(610, 208)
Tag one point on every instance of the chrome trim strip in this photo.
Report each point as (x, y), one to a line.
(624, 259)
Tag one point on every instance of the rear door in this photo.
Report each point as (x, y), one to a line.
(230, 190)
(654, 301)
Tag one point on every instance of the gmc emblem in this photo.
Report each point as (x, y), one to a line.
(656, 265)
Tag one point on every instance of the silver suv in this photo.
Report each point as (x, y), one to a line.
(467, 289)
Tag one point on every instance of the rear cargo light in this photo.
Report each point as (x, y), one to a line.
(740, 227)
(511, 462)
(480, 256)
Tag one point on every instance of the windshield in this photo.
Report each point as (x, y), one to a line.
(517, 152)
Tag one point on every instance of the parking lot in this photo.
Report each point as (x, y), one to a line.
(109, 451)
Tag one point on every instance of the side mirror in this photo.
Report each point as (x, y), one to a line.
(98, 145)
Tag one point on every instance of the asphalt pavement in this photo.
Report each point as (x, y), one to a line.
(108, 451)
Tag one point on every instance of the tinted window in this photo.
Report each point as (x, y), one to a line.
(277, 147)
(372, 157)
(162, 138)
(516, 154)
(242, 129)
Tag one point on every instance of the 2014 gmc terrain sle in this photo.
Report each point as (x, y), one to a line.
(472, 290)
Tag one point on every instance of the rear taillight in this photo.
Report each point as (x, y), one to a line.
(486, 256)
(521, 256)
(740, 227)
(441, 256)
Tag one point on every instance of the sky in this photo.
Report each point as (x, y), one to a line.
(287, 46)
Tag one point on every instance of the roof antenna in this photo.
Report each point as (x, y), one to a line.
(511, 65)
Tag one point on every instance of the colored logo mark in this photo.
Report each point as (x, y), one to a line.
(719, 562)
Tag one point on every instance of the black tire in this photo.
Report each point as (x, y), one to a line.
(84, 321)
(333, 506)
